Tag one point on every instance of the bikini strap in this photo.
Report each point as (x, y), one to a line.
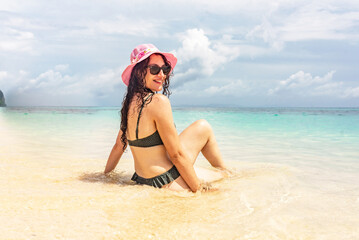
(139, 114)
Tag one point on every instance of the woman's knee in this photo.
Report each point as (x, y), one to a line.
(203, 125)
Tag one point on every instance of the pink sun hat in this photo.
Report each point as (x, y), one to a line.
(142, 52)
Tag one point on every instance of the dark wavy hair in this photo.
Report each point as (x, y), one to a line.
(137, 86)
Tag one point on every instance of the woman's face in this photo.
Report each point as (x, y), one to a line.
(155, 82)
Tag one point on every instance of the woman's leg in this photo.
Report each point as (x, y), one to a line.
(196, 138)
(199, 137)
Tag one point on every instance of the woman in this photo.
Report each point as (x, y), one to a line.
(162, 157)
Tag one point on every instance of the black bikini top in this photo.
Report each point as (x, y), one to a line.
(152, 140)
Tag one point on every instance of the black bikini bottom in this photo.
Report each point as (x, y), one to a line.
(160, 180)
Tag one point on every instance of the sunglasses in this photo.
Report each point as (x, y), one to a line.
(155, 69)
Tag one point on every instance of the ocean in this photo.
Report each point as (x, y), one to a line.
(296, 175)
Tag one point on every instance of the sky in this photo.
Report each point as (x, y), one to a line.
(248, 53)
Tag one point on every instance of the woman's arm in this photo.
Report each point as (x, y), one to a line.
(162, 113)
(115, 154)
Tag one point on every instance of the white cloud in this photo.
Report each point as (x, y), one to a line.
(58, 86)
(233, 87)
(201, 57)
(226, 7)
(196, 46)
(126, 26)
(97, 84)
(3, 75)
(13, 40)
(351, 92)
(319, 22)
(62, 67)
(17, 34)
(301, 83)
(301, 79)
(268, 33)
(15, 21)
(307, 22)
(304, 84)
(51, 81)
(10, 81)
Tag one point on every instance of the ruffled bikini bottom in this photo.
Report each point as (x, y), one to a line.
(158, 181)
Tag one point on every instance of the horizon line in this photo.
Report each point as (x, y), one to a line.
(176, 106)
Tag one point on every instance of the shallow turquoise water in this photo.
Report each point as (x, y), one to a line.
(314, 138)
(323, 132)
(331, 133)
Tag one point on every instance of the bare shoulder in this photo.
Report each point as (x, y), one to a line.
(160, 104)
(160, 100)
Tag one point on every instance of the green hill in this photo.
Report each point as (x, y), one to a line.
(2, 100)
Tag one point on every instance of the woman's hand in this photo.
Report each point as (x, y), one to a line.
(206, 187)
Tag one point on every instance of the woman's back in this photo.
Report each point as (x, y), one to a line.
(149, 153)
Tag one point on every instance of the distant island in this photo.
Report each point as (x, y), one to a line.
(2, 100)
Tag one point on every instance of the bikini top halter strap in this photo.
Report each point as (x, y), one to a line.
(139, 114)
